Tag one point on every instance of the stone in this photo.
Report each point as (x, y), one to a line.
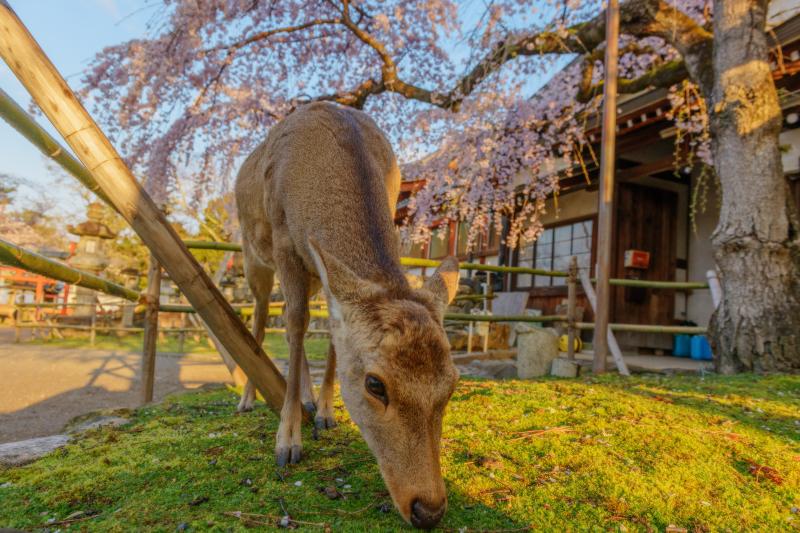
(97, 422)
(26, 451)
(498, 336)
(565, 368)
(536, 349)
(493, 369)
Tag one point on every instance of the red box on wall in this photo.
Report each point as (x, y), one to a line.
(637, 259)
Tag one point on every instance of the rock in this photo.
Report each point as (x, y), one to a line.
(564, 368)
(495, 369)
(97, 422)
(26, 451)
(498, 337)
(536, 349)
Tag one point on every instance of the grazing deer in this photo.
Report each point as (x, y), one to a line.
(316, 206)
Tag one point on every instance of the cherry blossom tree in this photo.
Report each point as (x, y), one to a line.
(213, 75)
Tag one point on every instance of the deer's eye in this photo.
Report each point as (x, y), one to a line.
(376, 387)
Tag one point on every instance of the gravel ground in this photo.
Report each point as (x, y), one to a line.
(43, 387)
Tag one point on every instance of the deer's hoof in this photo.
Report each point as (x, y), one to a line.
(244, 407)
(288, 455)
(324, 422)
(310, 408)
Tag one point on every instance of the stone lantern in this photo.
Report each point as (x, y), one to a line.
(91, 253)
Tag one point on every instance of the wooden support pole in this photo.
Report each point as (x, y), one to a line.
(486, 289)
(49, 90)
(152, 296)
(610, 339)
(606, 198)
(716, 288)
(572, 291)
(182, 334)
(17, 320)
(93, 323)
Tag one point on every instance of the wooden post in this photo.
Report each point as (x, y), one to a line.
(93, 315)
(572, 282)
(152, 296)
(182, 334)
(606, 198)
(49, 90)
(17, 317)
(611, 340)
(486, 308)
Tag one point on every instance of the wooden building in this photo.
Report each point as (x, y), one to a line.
(654, 214)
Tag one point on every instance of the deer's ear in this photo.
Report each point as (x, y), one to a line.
(443, 285)
(342, 285)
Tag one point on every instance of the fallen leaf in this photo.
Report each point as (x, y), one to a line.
(765, 471)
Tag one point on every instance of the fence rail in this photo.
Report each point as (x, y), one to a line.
(16, 256)
(433, 263)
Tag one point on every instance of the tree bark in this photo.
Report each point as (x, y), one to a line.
(756, 244)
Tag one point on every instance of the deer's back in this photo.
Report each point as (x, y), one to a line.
(329, 173)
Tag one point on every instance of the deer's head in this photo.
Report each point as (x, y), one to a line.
(396, 377)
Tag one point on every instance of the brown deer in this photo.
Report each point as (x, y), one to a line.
(316, 206)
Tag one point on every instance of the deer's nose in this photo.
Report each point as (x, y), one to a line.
(425, 516)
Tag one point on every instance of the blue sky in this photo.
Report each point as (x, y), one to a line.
(53, 23)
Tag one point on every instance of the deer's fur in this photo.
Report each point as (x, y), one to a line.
(316, 205)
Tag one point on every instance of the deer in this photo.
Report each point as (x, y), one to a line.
(316, 204)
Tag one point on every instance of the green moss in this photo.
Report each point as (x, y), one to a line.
(274, 344)
(608, 453)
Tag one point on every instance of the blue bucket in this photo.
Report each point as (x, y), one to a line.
(681, 346)
(701, 350)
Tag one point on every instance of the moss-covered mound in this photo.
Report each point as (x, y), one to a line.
(596, 454)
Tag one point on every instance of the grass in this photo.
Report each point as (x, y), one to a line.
(274, 344)
(607, 453)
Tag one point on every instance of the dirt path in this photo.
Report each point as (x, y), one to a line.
(43, 387)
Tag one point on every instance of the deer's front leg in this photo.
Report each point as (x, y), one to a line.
(288, 445)
(324, 418)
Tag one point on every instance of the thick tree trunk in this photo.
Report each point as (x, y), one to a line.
(756, 244)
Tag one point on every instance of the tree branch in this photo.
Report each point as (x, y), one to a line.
(637, 17)
(260, 36)
(664, 75)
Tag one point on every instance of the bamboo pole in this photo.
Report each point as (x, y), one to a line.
(417, 262)
(49, 90)
(572, 290)
(17, 118)
(606, 197)
(152, 297)
(466, 317)
(646, 328)
(213, 245)
(13, 255)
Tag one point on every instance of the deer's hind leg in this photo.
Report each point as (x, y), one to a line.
(261, 280)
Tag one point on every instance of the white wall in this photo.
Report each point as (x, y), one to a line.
(701, 259)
